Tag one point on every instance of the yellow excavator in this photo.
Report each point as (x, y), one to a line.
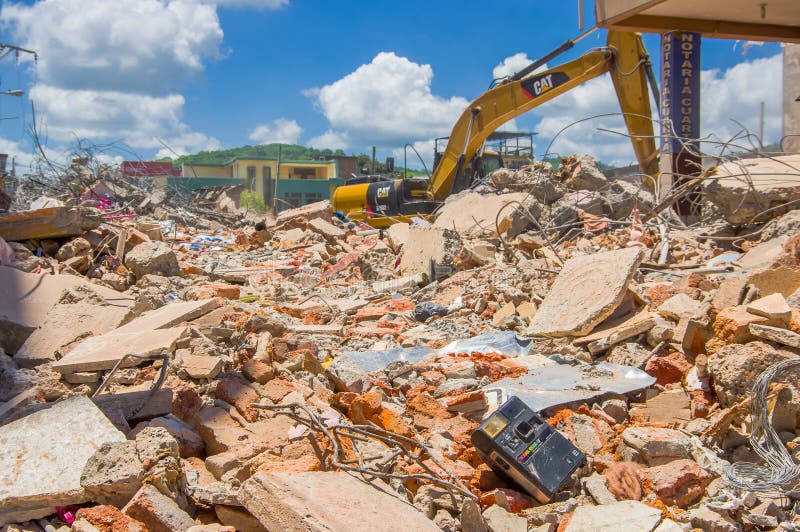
(624, 57)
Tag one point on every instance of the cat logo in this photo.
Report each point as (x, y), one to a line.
(535, 86)
(382, 192)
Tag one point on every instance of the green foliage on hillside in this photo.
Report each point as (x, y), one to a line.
(288, 151)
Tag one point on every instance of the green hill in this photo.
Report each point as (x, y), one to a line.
(288, 151)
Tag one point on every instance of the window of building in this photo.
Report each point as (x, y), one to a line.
(305, 173)
(251, 178)
(311, 197)
(295, 199)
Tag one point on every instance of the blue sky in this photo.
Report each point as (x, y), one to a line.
(200, 74)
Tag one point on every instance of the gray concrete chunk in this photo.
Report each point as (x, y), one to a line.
(43, 455)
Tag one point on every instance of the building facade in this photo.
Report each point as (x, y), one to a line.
(280, 183)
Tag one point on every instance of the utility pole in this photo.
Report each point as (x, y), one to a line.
(761, 128)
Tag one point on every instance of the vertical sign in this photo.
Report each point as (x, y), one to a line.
(680, 112)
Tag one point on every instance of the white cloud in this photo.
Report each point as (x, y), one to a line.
(281, 130)
(148, 46)
(386, 103)
(737, 93)
(136, 119)
(425, 150)
(113, 70)
(513, 64)
(733, 94)
(332, 140)
(252, 4)
(22, 157)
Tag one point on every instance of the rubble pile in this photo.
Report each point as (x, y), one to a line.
(196, 368)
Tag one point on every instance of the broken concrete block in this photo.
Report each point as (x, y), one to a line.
(26, 298)
(50, 222)
(346, 374)
(426, 244)
(773, 306)
(238, 518)
(680, 306)
(189, 441)
(81, 312)
(614, 332)
(157, 512)
(319, 209)
(735, 368)
(154, 443)
(782, 280)
(201, 366)
(169, 315)
(113, 474)
(622, 515)
(325, 228)
(397, 235)
(775, 334)
(474, 215)
(763, 255)
(499, 519)
(103, 352)
(586, 292)
(657, 445)
(153, 257)
(42, 457)
(328, 501)
(743, 189)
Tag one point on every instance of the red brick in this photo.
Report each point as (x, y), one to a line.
(236, 392)
(668, 369)
(680, 482)
(109, 519)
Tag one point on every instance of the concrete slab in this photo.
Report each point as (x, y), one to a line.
(743, 189)
(42, 457)
(623, 515)
(317, 501)
(763, 254)
(586, 292)
(426, 244)
(66, 323)
(475, 215)
(26, 298)
(169, 315)
(103, 352)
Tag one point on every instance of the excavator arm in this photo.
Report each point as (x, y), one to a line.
(624, 57)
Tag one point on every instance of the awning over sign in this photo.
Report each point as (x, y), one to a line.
(775, 20)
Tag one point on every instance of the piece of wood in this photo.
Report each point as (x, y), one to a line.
(52, 222)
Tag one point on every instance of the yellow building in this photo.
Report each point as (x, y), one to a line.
(281, 183)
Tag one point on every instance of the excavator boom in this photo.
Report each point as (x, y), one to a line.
(624, 57)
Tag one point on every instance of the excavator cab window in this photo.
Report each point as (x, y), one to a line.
(491, 162)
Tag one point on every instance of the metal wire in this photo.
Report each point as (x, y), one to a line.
(398, 445)
(780, 470)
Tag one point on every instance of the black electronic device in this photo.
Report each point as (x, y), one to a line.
(517, 443)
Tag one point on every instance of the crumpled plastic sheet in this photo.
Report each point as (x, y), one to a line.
(564, 383)
(505, 343)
